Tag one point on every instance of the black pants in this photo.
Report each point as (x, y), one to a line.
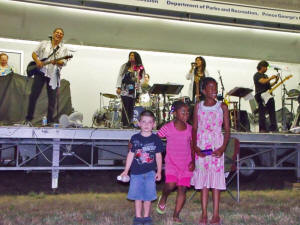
(128, 105)
(37, 86)
(202, 97)
(262, 110)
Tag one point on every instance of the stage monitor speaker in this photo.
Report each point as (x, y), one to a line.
(288, 116)
(244, 121)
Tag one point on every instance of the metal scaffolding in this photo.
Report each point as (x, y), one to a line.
(45, 148)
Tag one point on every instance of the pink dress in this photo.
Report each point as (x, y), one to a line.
(209, 170)
(178, 154)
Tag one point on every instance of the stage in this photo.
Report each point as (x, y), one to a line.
(55, 149)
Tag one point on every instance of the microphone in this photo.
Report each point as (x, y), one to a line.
(275, 67)
(193, 63)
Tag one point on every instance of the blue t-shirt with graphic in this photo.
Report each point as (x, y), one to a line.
(144, 149)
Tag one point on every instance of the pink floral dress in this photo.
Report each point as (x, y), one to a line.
(209, 170)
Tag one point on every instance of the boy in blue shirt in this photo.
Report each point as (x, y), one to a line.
(143, 160)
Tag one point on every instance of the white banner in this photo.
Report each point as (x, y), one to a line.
(217, 9)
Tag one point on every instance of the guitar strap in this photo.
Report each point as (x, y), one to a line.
(54, 51)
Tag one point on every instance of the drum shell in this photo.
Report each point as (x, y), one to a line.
(114, 105)
(136, 115)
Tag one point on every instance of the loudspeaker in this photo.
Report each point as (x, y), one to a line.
(244, 121)
(287, 114)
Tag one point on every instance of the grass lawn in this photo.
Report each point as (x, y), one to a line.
(269, 207)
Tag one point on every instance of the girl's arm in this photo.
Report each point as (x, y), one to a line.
(159, 166)
(195, 127)
(162, 133)
(192, 163)
(189, 75)
(195, 149)
(222, 149)
(226, 124)
(129, 160)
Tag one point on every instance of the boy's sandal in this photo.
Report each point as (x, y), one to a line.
(159, 208)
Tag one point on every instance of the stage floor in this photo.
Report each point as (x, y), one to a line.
(24, 132)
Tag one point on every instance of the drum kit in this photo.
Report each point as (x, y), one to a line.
(109, 116)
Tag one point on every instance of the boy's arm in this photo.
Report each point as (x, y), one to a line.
(129, 160)
(159, 166)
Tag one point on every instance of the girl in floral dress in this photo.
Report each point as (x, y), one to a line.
(209, 144)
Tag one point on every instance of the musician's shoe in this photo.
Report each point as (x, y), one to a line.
(131, 126)
(27, 123)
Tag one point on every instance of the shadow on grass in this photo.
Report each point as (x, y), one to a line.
(17, 182)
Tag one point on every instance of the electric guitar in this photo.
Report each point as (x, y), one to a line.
(267, 95)
(32, 68)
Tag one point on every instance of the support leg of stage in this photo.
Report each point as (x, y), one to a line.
(298, 163)
(55, 163)
(238, 177)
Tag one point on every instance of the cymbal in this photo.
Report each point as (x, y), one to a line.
(107, 95)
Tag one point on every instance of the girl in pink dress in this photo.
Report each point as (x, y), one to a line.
(209, 145)
(178, 160)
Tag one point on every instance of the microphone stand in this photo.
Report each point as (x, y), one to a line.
(57, 88)
(222, 85)
(284, 90)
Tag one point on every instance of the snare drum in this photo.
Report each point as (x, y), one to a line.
(114, 105)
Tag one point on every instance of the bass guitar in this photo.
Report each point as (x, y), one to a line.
(32, 68)
(266, 96)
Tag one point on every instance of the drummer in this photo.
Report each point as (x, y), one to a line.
(145, 98)
(145, 85)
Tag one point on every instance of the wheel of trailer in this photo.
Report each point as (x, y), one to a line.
(253, 162)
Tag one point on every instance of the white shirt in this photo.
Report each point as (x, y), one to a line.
(52, 71)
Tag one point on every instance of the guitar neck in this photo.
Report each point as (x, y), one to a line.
(278, 84)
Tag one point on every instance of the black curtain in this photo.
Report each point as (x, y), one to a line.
(14, 97)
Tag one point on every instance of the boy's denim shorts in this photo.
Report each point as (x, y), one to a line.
(142, 187)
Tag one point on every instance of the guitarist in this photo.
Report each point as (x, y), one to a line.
(262, 84)
(49, 74)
